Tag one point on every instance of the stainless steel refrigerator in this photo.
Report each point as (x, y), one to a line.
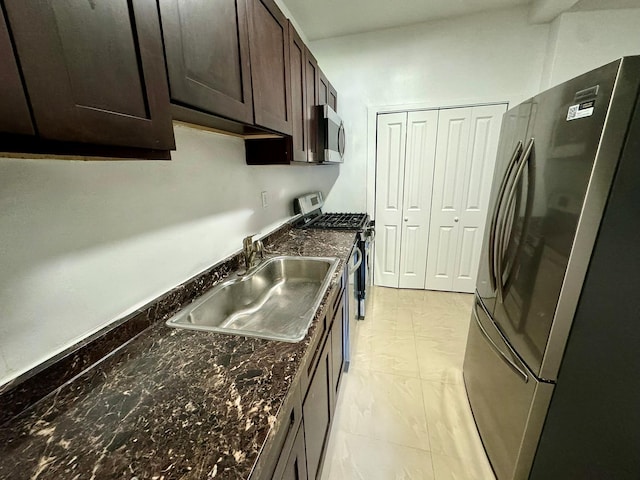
(553, 354)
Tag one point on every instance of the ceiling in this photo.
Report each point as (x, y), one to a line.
(331, 18)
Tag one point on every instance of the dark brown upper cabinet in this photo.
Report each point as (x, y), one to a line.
(14, 110)
(270, 66)
(312, 73)
(297, 54)
(326, 93)
(94, 71)
(333, 98)
(323, 89)
(207, 50)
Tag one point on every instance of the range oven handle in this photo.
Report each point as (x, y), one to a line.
(371, 232)
(357, 252)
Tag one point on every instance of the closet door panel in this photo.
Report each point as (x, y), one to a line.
(422, 128)
(390, 154)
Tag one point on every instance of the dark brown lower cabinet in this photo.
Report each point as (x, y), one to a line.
(14, 111)
(316, 412)
(302, 439)
(296, 466)
(337, 339)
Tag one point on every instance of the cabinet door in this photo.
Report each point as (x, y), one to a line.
(298, 95)
(94, 71)
(14, 111)
(323, 89)
(270, 67)
(316, 412)
(312, 75)
(337, 350)
(296, 466)
(207, 49)
(333, 98)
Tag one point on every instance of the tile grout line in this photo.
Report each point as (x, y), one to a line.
(424, 407)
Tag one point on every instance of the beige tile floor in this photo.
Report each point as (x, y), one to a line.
(402, 410)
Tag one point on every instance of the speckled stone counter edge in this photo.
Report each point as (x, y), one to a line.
(26, 390)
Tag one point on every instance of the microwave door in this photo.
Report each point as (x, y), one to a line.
(334, 136)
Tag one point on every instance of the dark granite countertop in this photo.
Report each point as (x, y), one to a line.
(171, 403)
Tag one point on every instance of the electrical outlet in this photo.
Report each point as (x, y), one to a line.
(265, 203)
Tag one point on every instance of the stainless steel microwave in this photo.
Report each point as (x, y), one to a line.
(331, 136)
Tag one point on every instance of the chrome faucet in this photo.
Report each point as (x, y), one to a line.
(251, 250)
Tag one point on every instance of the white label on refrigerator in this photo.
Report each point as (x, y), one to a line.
(581, 110)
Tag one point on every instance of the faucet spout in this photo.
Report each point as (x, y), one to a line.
(250, 250)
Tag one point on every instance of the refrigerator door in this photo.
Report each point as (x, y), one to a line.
(510, 149)
(542, 209)
(507, 400)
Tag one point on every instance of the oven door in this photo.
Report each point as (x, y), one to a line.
(352, 305)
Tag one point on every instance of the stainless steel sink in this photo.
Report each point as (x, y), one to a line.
(276, 301)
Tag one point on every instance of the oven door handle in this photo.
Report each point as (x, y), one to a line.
(355, 267)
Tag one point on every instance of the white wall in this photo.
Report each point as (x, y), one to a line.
(84, 243)
(495, 56)
(287, 13)
(583, 41)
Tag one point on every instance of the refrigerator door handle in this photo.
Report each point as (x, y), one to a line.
(496, 213)
(502, 232)
(505, 358)
(506, 281)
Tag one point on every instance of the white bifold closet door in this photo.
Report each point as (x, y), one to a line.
(392, 135)
(465, 159)
(405, 158)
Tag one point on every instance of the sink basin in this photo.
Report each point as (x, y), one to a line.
(276, 301)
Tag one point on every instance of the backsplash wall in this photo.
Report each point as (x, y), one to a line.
(84, 243)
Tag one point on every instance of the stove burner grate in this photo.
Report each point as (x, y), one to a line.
(339, 221)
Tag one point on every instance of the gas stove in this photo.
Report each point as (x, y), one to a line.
(359, 266)
(310, 206)
(339, 221)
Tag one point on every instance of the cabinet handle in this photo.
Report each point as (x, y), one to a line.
(292, 420)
